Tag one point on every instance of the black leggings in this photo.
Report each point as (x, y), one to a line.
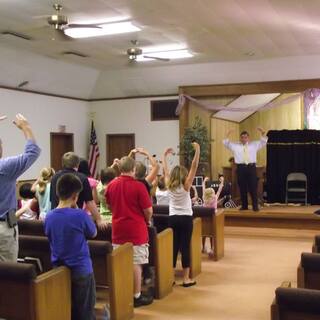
(182, 231)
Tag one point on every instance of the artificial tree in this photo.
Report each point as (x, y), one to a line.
(197, 133)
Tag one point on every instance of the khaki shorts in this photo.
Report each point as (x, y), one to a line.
(140, 253)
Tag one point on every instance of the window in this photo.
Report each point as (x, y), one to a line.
(164, 110)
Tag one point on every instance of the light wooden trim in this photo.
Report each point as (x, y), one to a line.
(43, 93)
(218, 234)
(120, 264)
(164, 276)
(249, 88)
(52, 295)
(195, 248)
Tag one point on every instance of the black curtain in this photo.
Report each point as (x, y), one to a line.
(293, 151)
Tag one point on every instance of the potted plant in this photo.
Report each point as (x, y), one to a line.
(198, 133)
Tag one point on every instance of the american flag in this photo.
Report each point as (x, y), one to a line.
(93, 152)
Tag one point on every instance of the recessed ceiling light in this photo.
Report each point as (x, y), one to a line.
(172, 54)
(106, 29)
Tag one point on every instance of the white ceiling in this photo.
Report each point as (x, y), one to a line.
(219, 33)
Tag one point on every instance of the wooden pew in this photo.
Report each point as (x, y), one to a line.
(160, 257)
(316, 244)
(37, 247)
(112, 269)
(31, 227)
(212, 225)
(308, 273)
(295, 304)
(163, 262)
(26, 296)
(195, 256)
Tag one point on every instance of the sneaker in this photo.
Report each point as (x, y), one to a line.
(142, 301)
(189, 284)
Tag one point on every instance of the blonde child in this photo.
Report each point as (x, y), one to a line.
(179, 182)
(162, 195)
(42, 191)
(210, 199)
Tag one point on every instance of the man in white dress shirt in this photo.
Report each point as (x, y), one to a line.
(245, 155)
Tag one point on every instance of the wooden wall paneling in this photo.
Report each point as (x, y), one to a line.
(287, 116)
(219, 153)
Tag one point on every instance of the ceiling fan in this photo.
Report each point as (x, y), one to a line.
(135, 51)
(60, 22)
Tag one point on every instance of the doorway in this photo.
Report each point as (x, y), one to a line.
(60, 143)
(119, 145)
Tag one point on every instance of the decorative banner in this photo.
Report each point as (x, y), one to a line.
(312, 109)
(217, 107)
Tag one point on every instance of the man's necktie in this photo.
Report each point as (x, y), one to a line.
(245, 154)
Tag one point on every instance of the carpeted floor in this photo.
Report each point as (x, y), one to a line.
(240, 286)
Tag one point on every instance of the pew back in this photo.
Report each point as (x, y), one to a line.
(295, 304)
(24, 296)
(308, 273)
(38, 247)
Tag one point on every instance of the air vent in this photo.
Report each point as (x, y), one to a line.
(17, 35)
(75, 53)
(164, 110)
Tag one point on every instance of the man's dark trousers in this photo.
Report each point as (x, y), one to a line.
(248, 182)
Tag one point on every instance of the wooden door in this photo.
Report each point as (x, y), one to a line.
(119, 145)
(60, 143)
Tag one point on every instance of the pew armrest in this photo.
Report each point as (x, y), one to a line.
(300, 276)
(314, 248)
(275, 312)
(164, 263)
(218, 234)
(120, 280)
(50, 290)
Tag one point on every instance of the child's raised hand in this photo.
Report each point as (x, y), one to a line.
(206, 179)
(221, 179)
(116, 161)
(195, 145)
(143, 151)
(168, 151)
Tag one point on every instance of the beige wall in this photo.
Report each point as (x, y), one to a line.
(288, 116)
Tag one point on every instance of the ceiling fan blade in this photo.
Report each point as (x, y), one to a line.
(59, 35)
(76, 25)
(44, 16)
(157, 58)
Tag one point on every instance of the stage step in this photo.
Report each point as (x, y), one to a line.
(287, 217)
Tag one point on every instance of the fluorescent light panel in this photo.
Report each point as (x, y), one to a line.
(172, 54)
(106, 29)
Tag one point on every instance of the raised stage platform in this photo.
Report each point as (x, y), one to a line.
(282, 216)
